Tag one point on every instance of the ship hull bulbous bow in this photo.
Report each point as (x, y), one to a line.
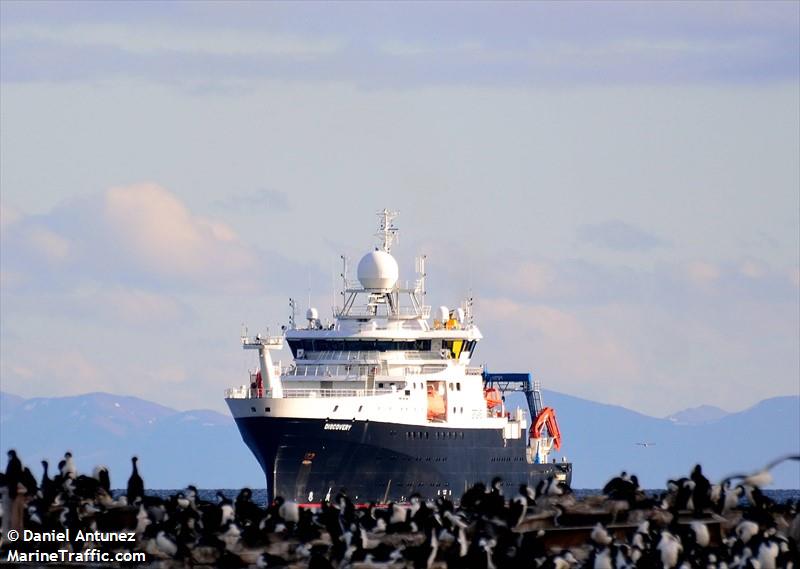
(308, 460)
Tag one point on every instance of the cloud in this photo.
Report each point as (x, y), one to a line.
(262, 201)
(752, 269)
(52, 246)
(8, 216)
(619, 236)
(170, 374)
(702, 273)
(530, 44)
(133, 306)
(160, 234)
(138, 236)
(155, 40)
(574, 353)
(58, 371)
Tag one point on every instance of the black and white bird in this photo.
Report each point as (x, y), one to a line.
(135, 483)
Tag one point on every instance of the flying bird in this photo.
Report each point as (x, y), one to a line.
(761, 477)
(645, 444)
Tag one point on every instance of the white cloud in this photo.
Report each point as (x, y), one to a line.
(752, 269)
(149, 40)
(170, 374)
(52, 372)
(702, 273)
(161, 234)
(8, 216)
(130, 237)
(51, 245)
(532, 277)
(134, 306)
(574, 353)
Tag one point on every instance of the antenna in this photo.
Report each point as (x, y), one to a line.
(343, 274)
(469, 317)
(292, 316)
(333, 293)
(420, 268)
(387, 232)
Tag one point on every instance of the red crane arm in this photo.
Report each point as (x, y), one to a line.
(547, 417)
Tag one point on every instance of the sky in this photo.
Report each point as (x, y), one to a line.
(616, 184)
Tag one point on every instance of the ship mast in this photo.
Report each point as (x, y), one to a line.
(381, 289)
(387, 232)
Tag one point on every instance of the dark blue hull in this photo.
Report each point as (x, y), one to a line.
(307, 460)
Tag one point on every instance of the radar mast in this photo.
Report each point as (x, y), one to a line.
(387, 232)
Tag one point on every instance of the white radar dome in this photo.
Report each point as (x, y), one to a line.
(378, 271)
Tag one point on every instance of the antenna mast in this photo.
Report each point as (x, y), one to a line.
(387, 232)
(293, 315)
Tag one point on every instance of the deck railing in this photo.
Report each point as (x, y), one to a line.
(244, 392)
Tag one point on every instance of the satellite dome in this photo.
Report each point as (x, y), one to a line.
(378, 271)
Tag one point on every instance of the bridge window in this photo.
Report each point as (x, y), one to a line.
(458, 386)
(360, 345)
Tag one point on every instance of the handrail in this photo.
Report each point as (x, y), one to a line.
(244, 392)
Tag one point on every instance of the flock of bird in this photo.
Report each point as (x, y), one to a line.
(693, 523)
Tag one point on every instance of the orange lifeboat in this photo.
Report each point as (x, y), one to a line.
(436, 405)
(547, 418)
(493, 397)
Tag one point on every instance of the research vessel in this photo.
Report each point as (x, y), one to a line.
(382, 402)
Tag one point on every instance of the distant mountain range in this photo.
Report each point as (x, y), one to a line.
(701, 415)
(203, 447)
